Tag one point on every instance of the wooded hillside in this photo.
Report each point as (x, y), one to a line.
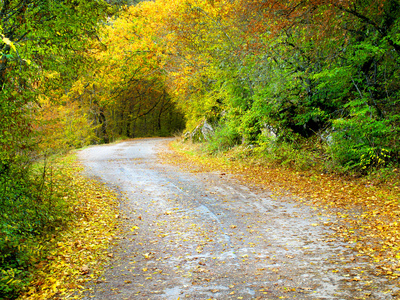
(279, 75)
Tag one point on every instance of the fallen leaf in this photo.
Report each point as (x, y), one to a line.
(84, 270)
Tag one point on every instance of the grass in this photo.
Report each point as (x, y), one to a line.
(63, 256)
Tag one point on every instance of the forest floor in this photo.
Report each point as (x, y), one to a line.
(76, 250)
(201, 227)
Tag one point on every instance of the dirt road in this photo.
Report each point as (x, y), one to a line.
(207, 236)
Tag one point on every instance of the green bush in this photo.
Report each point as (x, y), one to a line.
(224, 138)
(361, 142)
(28, 209)
(297, 153)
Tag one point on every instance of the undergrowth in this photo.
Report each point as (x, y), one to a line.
(42, 212)
(306, 155)
(31, 206)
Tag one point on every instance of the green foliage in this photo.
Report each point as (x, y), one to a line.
(362, 141)
(41, 53)
(295, 152)
(224, 138)
(310, 81)
(28, 208)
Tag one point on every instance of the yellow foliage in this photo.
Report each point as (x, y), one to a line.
(77, 253)
(62, 127)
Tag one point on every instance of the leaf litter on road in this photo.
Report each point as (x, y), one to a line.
(368, 215)
(217, 233)
(77, 253)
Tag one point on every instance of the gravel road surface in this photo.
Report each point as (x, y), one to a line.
(192, 235)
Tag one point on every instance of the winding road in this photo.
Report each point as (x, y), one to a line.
(187, 235)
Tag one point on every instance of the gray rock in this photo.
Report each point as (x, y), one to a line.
(201, 133)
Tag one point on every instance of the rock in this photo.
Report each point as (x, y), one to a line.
(269, 132)
(196, 135)
(201, 133)
(186, 136)
(207, 130)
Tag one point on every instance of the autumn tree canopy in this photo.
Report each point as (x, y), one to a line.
(286, 70)
(263, 72)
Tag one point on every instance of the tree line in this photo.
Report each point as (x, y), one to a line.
(285, 75)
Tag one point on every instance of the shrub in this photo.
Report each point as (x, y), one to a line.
(361, 143)
(297, 153)
(224, 138)
(28, 208)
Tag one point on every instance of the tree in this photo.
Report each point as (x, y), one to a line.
(42, 49)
